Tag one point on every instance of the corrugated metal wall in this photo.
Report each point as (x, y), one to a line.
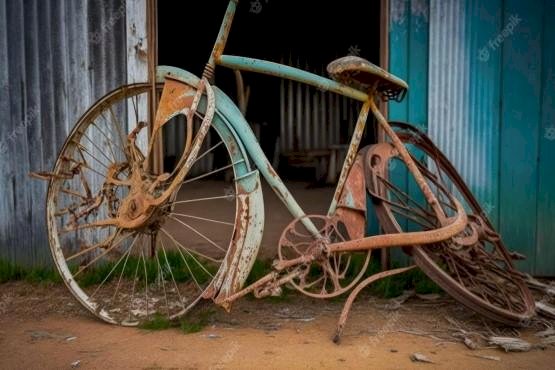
(408, 59)
(56, 58)
(488, 102)
(464, 101)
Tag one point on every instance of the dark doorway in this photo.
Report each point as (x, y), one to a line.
(305, 34)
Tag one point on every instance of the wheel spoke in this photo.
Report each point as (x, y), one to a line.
(133, 289)
(124, 265)
(202, 219)
(187, 264)
(189, 251)
(97, 148)
(146, 282)
(119, 129)
(108, 250)
(201, 199)
(109, 141)
(207, 151)
(97, 245)
(171, 273)
(125, 255)
(82, 149)
(119, 125)
(211, 172)
(198, 233)
(407, 198)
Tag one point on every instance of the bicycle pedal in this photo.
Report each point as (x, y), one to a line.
(276, 292)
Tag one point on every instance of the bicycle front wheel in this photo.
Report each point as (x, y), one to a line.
(164, 267)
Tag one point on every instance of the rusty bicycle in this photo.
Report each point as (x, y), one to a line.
(134, 238)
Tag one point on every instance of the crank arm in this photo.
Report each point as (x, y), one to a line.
(269, 281)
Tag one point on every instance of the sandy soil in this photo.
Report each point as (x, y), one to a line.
(43, 327)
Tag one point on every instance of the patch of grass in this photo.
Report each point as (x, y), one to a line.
(158, 322)
(183, 268)
(394, 286)
(197, 322)
(9, 271)
(191, 327)
(193, 322)
(386, 288)
(43, 274)
(423, 284)
(389, 287)
(13, 272)
(258, 270)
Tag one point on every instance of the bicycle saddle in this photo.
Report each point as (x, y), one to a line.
(361, 74)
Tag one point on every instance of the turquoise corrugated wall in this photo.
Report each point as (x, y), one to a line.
(408, 59)
(482, 79)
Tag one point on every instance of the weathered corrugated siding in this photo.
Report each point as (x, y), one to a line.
(56, 58)
(521, 82)
(464, 92)
(490, 108)
(545, 250)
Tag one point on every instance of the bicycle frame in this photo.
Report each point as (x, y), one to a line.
(311, 262)
(218, 57)
(447, 228)
(279, 70)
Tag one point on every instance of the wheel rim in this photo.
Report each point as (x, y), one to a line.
(474, 267)
(159, 269)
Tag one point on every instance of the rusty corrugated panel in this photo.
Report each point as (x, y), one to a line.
(57, 57)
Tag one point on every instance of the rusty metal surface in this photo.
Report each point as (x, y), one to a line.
(351, 155)
(245, 243)
(301, 250)
(352, 296)
(351, 207)
(474, 267)
(143, 209)
(405, 156)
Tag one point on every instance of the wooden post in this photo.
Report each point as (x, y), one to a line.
(157, 157)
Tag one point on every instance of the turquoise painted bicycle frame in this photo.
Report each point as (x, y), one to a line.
(242, 128)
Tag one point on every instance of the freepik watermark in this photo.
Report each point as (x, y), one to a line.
(228, 356)
(96, 37)
(354, 50)
(389, 327)
(256, 6)
(550, 133)
(494, 43)
(30, 117)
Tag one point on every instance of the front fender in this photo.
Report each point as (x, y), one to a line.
(249, 226)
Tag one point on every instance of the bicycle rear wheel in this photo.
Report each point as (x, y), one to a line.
(474, 267)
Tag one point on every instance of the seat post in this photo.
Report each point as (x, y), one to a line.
(221, 41)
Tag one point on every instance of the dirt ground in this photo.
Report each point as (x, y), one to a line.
(42, 326)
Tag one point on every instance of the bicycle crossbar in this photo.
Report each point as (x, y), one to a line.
(290, 73)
